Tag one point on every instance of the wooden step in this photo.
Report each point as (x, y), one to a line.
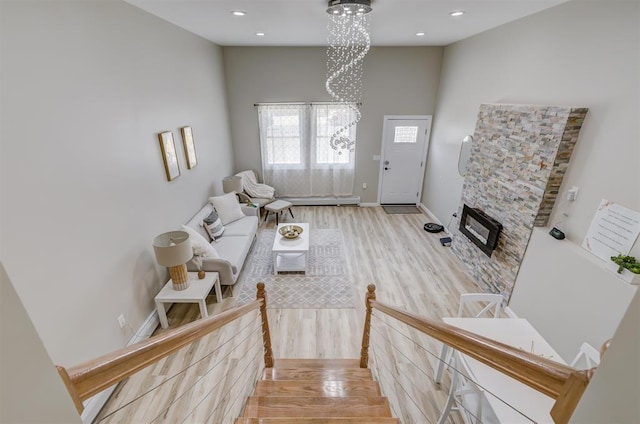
(319, 407)
(302, 420)
(317, 363)
(317, 388)
(316, 374)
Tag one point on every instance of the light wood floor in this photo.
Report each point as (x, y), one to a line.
(409, 267)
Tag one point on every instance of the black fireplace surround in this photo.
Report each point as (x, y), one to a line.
(480, 228)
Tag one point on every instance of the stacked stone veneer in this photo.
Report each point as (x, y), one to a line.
(519, 156)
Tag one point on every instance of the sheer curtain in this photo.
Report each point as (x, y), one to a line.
(297, 158)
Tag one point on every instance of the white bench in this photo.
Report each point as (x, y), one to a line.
(277, 207)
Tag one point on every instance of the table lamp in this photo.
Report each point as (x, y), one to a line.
(173, 250)
(232, 184)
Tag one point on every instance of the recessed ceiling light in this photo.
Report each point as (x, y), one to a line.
(457, 13)
(238, 13)
(260, 34)
(420, 34)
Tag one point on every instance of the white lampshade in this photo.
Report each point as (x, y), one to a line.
(232, 184)
(173, 248)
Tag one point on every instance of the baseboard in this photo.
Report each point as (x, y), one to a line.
(369, 205)
(433, 218)
(322, 201)
(430, 214)
(94, 405)
(146, 329)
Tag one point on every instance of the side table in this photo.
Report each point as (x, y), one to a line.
(196, 293)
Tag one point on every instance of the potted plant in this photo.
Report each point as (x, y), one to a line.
(627, 264)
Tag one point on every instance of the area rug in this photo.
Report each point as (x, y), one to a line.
(401, 209)
(326, 284)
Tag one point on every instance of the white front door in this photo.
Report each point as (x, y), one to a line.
(404, 154)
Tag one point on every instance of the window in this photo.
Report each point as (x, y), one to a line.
(406, 135)
(297, 156)
(328, 120)
(284, 127)
(283, 136)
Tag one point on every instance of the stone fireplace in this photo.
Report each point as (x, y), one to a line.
(519, 156)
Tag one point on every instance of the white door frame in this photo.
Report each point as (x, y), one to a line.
(387, 118)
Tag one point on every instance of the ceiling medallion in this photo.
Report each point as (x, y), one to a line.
(349, 42)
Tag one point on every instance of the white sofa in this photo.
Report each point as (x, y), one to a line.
(232, 247)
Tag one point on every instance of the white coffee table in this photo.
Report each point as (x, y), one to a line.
(196, 293)
(291, 254)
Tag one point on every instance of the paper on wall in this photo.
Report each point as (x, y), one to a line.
(613, 231)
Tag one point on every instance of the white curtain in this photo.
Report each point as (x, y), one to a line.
(297, 158)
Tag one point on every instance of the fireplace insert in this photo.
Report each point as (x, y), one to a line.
(480, 228)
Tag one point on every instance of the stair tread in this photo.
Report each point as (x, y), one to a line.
(301, 406)
(316, 374)
(316, 363)
(317, 420)
(338, 388)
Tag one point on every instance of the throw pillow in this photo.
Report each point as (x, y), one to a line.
(228, 208)
(199, 244)
(213, 225)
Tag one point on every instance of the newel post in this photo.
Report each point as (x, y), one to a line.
(364, 352)
(266, 335)
(572, 391)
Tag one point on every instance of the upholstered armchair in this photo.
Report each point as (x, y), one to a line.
(245, 184)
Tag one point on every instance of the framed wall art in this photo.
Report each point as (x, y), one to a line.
(189, 147)
(169, 155)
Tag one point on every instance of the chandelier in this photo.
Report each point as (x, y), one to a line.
(348, 42)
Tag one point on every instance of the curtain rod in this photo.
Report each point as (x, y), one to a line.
(302, 103)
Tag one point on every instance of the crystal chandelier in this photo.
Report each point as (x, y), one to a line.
(349, 42)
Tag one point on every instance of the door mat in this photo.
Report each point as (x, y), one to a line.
(401, 209)
(326, 285)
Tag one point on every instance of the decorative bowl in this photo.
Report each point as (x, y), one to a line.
(290, 231)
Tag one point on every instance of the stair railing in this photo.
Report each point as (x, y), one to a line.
(91, 377)
(562, 383)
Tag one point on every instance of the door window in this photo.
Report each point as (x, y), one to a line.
(406, 135)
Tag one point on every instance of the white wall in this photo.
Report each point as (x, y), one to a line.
(86, 87)
(581, 53)
(613, 393)
(31, 390)
(583, 304)
(396, 81)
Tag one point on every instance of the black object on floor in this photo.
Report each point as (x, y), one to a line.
(557, 234)
(401, 209)
(445, 241)
(431, 227)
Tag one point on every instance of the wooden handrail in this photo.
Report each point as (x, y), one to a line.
(92, 377)
(558, 381)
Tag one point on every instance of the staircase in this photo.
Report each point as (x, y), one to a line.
(317, 391)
